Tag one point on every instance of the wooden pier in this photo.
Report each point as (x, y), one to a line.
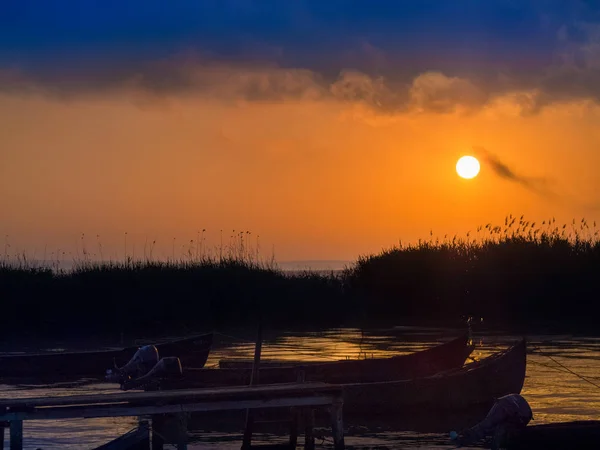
(175, 404)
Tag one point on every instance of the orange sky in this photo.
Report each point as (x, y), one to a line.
(316, 177)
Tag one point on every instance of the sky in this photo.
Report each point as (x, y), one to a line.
(318, 129)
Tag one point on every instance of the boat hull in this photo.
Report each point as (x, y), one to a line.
(193, 352)
(476, 384)
(420, 364)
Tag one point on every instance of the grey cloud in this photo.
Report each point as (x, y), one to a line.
(576, 72)
(353, 86)
(502, 169)
(430, 92)
(433, 91)
(574, 75)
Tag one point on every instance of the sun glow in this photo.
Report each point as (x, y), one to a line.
(467, 167)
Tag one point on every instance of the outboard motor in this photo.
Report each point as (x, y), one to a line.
(509, 414)
(140, 364)
(169, 367)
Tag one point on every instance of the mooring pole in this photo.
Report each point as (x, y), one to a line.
(295, 413)
(16, 435)
(254, 379)
(337, 424)
(158, 428)
(257, 349)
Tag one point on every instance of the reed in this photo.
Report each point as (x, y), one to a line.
(518, 273)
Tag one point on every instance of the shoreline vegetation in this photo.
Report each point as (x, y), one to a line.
(516, 276)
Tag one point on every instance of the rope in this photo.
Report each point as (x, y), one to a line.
(566, 368)
(558, 369)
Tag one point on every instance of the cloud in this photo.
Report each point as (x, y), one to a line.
(354, 86)
(575, 73)
(155, 83)
(367, 72)
(434, 91)
(500, 168)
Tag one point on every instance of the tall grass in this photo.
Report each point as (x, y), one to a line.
(156, 297)
(514, 274)
(241, 246)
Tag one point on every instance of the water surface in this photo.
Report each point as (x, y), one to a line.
(562, 384)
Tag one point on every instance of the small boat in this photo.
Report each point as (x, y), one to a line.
(415, 365)
(60, 366)
(584, 434)
(477, 384)
(136, 439)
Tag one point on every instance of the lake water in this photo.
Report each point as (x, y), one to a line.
(554, 392)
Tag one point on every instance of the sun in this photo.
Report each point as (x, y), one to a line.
(467, 167)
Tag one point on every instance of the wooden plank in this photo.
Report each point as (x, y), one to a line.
(16, 435)
(71, 412)
(179, 395)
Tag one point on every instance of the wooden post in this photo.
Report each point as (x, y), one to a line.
(169, 429)
(337, 425)
(182, 420)
(309, 426)
(294, 427)
(158, 441)
(254, 379)
(295, 413)
(257, 349)
(16, 435)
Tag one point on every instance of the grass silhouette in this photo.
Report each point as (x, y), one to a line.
(519, 274)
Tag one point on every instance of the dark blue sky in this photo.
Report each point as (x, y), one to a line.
(48, 39)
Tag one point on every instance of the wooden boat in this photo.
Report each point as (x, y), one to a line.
(583, 434)
(192, 351)
(136, 439)
(475, 384)
(415, 365)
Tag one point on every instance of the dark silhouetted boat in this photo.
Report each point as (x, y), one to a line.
(442, 357)
(476, 384)
(192, 351)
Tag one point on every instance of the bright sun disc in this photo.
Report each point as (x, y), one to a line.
(467, 167)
